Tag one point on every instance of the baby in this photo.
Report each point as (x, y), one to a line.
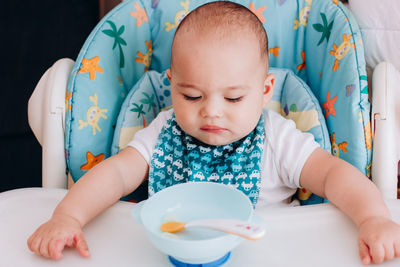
(218, 131)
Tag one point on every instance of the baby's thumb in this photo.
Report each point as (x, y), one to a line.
(81, 246)
(364, 253)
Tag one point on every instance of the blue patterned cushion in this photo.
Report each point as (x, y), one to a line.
(148, 96)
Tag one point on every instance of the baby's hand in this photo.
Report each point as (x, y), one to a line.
(51, 237)
(379, 240)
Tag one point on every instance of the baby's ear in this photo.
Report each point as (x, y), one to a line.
(268, 87)
(168, 72)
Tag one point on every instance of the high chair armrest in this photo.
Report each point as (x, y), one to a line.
(46, 116)
(386, 128)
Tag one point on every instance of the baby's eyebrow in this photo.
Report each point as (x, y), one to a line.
(187, 85)
(236, 87)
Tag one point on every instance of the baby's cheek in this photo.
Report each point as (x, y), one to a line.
(245, 125)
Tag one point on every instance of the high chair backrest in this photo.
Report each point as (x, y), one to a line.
(318, 40)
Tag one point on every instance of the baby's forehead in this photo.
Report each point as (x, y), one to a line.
(222, 35)
(214, 45)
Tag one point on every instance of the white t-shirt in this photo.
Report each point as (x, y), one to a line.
(286, 149)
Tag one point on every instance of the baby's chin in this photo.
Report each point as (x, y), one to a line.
(217, 140)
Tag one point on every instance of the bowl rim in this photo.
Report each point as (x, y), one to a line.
(223, 236)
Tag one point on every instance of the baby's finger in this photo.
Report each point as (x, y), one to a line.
(30, 242)
(397, 249)
(35, 244)
(56, 247)
(364, 252)
(44, 248)
(69, 241)
(82, 246)
(377, 253)
(389, 251)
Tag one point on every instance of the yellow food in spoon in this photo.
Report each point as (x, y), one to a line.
(172, 227)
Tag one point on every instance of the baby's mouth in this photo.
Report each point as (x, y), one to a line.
(212, 129)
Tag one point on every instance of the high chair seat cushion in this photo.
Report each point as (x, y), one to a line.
(318, 40)
(144, 101)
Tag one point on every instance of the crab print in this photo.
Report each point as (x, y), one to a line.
(341, 51)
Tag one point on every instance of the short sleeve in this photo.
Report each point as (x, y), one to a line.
(290, 147)
(145, 140)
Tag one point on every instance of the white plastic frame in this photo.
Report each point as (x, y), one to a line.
(386, 128)
(46, 116)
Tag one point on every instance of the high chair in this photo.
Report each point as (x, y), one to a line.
(75, 110)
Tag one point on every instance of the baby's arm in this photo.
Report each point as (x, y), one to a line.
(98, 189)
(353, 193)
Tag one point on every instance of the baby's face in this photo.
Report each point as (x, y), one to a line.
(219, 87)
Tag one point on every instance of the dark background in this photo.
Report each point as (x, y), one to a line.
(34, 35)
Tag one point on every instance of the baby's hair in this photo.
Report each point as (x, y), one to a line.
(225, 18)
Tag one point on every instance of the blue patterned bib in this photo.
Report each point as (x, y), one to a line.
(180, 158)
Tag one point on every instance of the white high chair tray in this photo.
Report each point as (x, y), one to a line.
(296, 236)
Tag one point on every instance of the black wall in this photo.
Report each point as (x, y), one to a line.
(33, 35)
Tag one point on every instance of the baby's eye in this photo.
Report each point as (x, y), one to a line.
(191, 98)
(234, 99)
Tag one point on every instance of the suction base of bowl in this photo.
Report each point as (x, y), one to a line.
(216, 263)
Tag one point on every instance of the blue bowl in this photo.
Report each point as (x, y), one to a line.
(191, 201)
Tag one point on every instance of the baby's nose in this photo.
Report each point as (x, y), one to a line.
(211, 108)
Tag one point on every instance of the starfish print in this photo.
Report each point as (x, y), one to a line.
(67, 98)
(139, 14)
(258, 12)
(329, 106)
(274, 51)
(91, 161)
(90, 65)
(302, 65)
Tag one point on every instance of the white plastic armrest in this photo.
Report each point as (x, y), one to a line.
(386, 128)
(46, 116)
